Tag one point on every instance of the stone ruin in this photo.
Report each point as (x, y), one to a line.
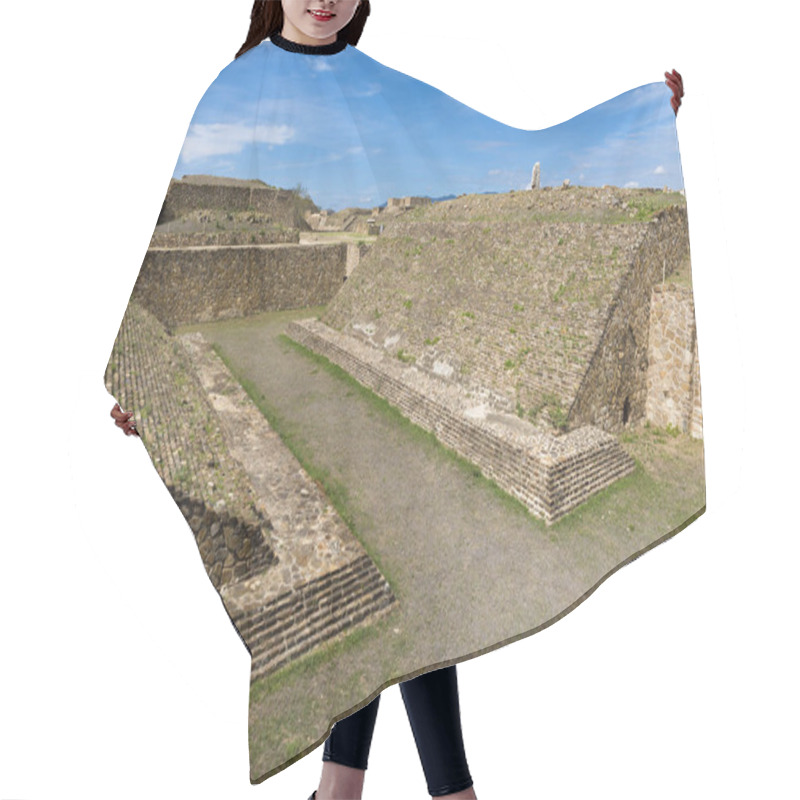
(523, 323)
(536, 177)
(269, 569)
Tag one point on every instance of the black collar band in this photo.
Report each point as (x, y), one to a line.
(308, 49)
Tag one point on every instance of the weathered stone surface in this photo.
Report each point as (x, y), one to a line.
(536, 176)
(317, 554)
(204, 192)
(673, 378)
(151, 375)
(184, 285)
(550, 474)
(179, 389)
(528, 296)
(225, 543)
(223, 238)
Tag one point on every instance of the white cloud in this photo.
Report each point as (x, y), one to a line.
(368, 90)
(631, 185)
(659, 170)
(222, 138)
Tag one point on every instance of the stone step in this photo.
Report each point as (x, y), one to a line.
(306, 619)
(303, 606)
(279, 606)
(321, 627)
(324, 623)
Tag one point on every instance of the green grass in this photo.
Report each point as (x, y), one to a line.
(625, 495)
(406, 358)
(646, 206)
(321, 655)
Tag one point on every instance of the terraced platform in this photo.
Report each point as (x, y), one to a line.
(541, 297)
(550, 474)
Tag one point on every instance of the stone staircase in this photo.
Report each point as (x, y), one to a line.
(298, 620)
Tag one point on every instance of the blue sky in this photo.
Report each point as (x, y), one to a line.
(353, 132)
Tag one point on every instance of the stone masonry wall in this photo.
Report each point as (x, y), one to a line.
(696, 416)
(533, 295)
(224, 238)
(281, 204)
(290, 573)
(232, 548)
(150, 375)
(673, 378)
(549, 474)
(325, 582)
(613, 391)
(286, 627)
(186, 285)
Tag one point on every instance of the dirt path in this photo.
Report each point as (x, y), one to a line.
(470, 567)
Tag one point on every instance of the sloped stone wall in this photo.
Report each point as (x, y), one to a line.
(224, 238)
(696, 415)
(181, 286)
(232, 548)
(150, 375)
(673, 378)
(283, 206)
(533, 295)
(325, 582)
(613, 391)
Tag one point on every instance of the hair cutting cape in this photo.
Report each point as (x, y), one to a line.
(418, 381)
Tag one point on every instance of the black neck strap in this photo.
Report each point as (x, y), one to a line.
(308, 49)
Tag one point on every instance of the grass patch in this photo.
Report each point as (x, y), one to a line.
(406, 358)
(551, 405)
(624, 495)
(322, 655)
(647, 205)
